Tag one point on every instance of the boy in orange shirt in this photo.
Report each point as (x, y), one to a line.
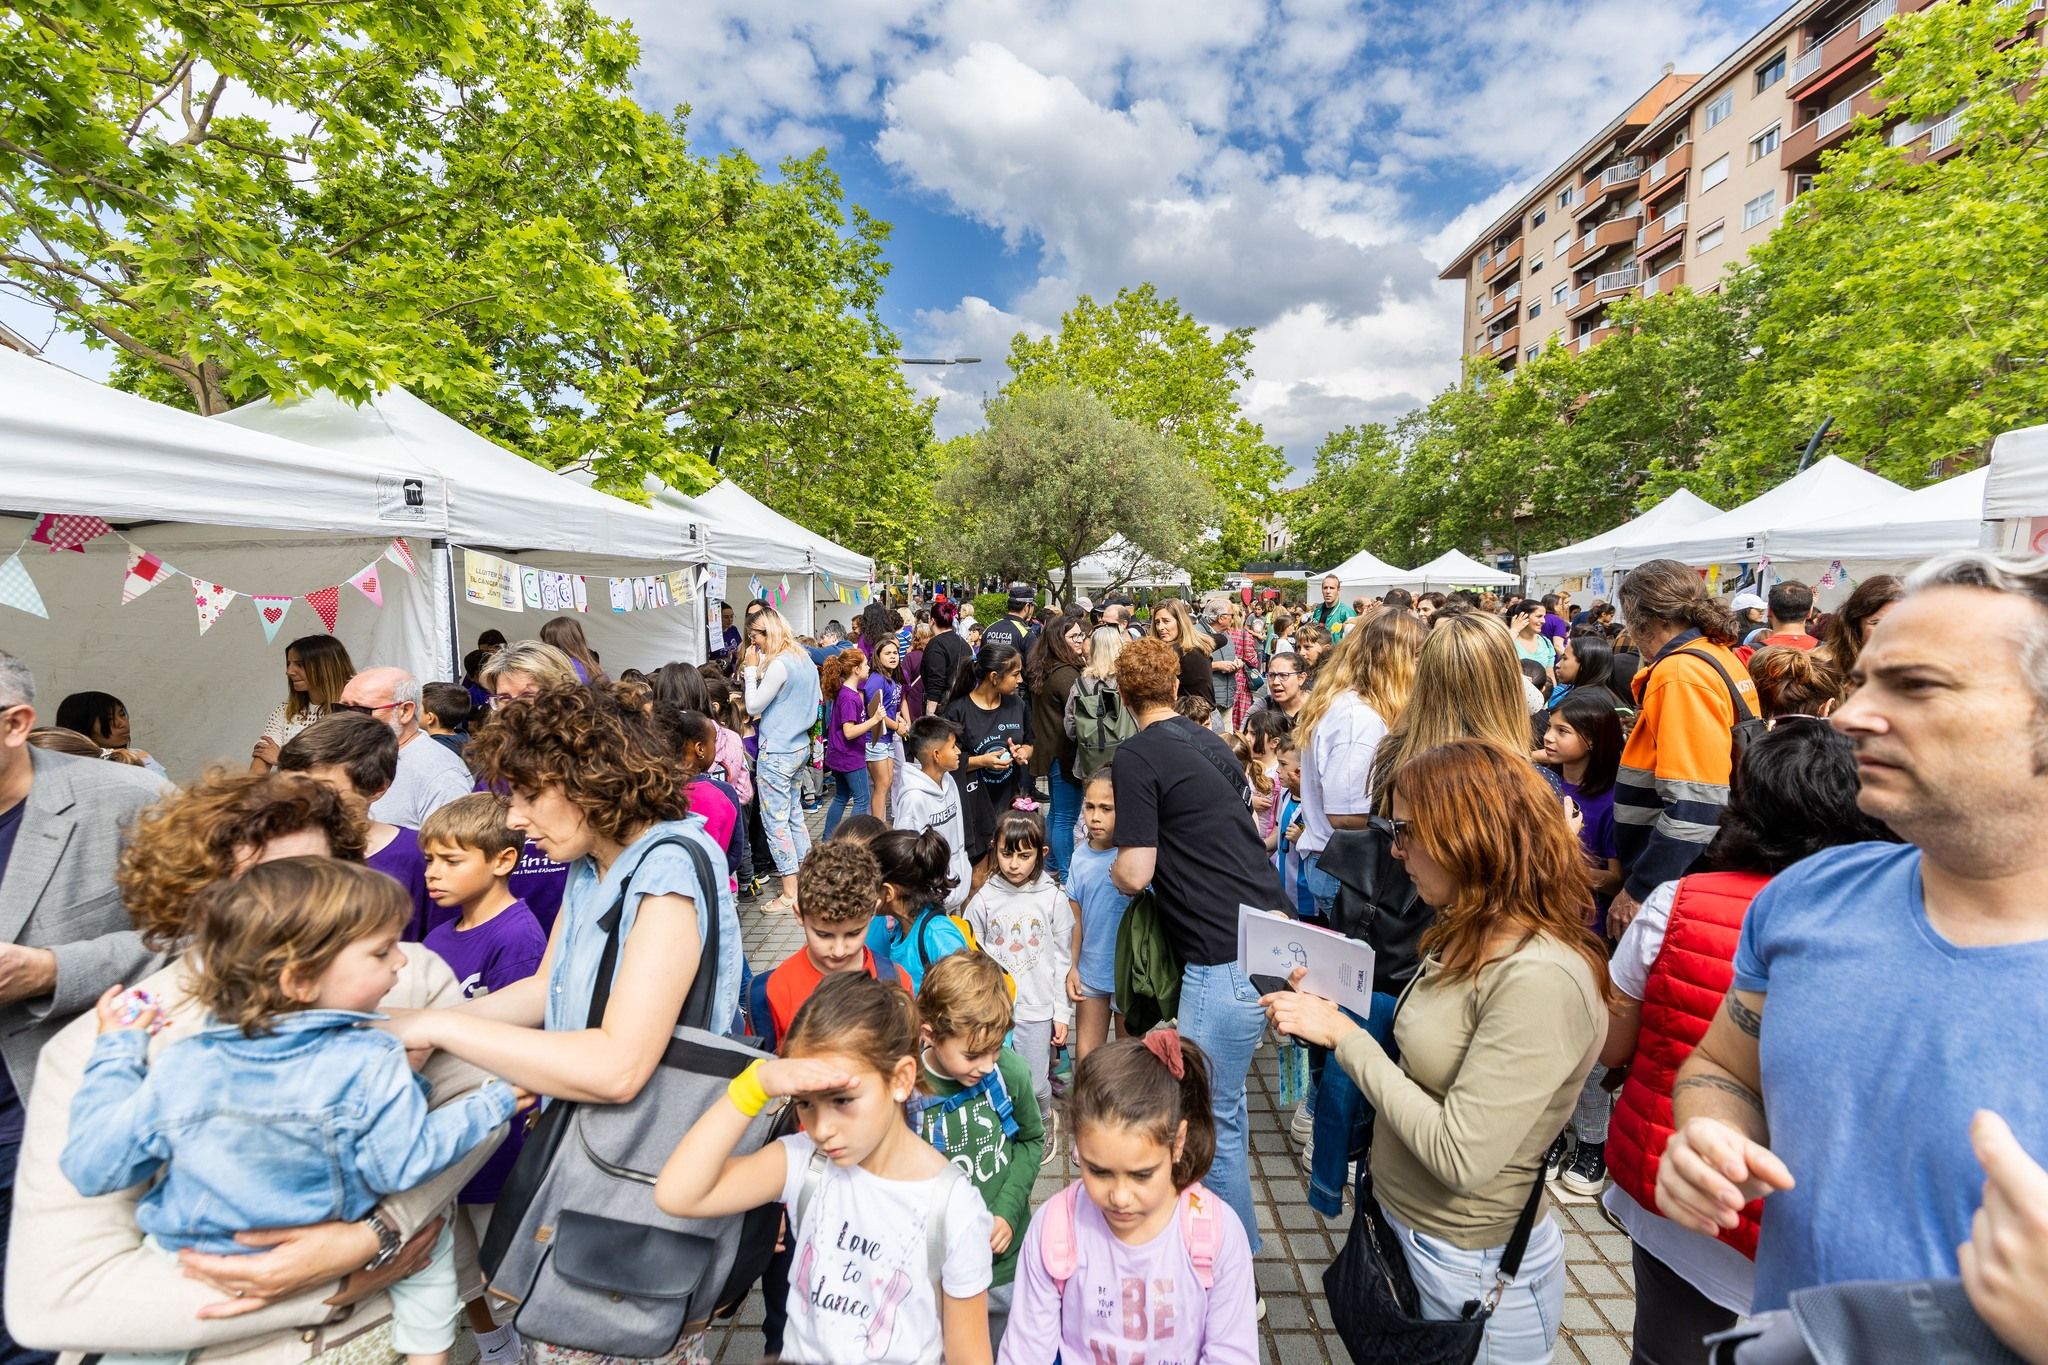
(839, 888)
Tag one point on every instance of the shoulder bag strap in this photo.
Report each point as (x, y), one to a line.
(814, 1171)
(1518, 1242)
(1742, 711)
(697, 1005)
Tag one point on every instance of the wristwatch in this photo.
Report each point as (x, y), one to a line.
(389, 1242)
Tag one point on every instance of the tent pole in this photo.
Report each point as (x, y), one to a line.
(444, 557)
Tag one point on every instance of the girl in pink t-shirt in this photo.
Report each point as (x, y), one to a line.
(1137, 1261)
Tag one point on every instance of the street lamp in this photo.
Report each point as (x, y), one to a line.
(922, 360)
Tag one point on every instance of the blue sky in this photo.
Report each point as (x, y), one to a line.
(1300, 166)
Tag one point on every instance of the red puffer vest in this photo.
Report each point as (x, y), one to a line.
(1691, 975)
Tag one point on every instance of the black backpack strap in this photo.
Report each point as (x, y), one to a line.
(697, 1005)
(1742, 711)
(1518, 1241)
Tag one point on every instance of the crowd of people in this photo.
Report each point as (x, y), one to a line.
(1725, 916)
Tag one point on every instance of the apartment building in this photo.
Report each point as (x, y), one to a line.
(1682, 184)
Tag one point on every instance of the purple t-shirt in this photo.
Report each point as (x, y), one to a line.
(505, 948)
(843, 755)
(890, 691)
(402, 861)
(1554, 626)
(539, 881)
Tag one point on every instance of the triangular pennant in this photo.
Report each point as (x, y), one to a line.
(270, 611)
(326, 602)
(18, 590)
(399, 553)
(61, 532)
(365, 582)
(145, 571)
(211, 599)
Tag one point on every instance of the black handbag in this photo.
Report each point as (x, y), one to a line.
(1372, 1297)
(1376, 902)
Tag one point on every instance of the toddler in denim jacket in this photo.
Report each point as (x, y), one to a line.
(290, 1109)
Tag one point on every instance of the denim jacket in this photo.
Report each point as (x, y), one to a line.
(309, 1123)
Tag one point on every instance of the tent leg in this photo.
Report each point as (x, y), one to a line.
(444, 564)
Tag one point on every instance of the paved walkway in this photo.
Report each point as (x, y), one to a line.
(1599, 1310)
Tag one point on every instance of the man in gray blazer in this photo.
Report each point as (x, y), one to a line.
(64, 934)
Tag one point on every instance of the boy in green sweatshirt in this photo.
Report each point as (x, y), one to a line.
(979, 1109)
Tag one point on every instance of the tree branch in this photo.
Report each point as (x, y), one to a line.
(352, 243)
(179, 75)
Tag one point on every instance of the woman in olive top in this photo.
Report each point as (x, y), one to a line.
(1496, 1035)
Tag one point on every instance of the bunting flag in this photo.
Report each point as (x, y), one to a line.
(270, 611)
(211, 599)
(1599, 585)
(365, 582)
(1834, 575)
(581, 586)
(399, 553)
(18, 590)
(69, 532)
(326, 602)
(145, 571)
(754, 589)
(1713, 578)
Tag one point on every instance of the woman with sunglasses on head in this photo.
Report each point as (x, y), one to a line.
(1495, 1034)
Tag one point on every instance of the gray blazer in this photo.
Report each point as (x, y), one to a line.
(58, 893)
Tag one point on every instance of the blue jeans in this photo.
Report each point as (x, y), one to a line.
(1060, 820)
(782, 813)
(1219, 1012)
(850, 791)
(1341, 1115)
(1523, 1329)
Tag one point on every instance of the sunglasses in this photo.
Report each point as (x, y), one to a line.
(361, 709)
(1403, 831)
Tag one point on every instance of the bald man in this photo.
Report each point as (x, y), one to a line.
(429, 775)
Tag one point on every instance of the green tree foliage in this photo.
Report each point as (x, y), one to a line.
(1055, 474)
(255, 199)
(1146, 357)
(1904, 296)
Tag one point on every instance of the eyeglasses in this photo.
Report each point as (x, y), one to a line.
(1403, 830)
(361, 709)
(1281, 673)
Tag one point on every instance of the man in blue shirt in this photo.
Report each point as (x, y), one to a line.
(1885, 994)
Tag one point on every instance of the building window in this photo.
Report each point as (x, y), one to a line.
(1715, 173)
(1801, 184)
(1564, 197)
(1557, 294)
(1710, 239)
(1535, 311)
(1759, 209)
(1541, 214)
(1535, 265)
(1562, 244)
(1764, 143)
(1721, 108)
(1771, 72)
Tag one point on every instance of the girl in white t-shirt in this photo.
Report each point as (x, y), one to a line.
(891, 1241)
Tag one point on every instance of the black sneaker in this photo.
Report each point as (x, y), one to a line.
(1586, 1174)
(1554, 1160)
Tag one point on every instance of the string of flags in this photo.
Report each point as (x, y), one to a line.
(210, 601)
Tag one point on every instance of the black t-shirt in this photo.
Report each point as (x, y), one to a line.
(985, 791)
(942, 659)
(1180, 790)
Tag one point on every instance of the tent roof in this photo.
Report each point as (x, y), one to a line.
(1364, 572)
(1929, 521)
(2019, 475)
(1828, 484)
(68, 444)
(1681, 510)
(738, 518)
(1456, 569)
(1118, 559)
(497, 500)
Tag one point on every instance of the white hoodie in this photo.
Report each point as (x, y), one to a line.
(919, 803)
(1030, 931)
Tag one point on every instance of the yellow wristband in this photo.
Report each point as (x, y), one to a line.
(746, 1091)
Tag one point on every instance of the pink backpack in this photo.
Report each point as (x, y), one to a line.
(1060, 1250)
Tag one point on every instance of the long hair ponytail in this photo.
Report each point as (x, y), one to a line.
(993, 661)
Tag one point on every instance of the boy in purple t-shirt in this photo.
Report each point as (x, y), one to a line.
(493, 941)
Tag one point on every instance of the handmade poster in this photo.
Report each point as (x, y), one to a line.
(1339, 968)
(488, 581)
(621, 591)
(529, 587)
(714, 582)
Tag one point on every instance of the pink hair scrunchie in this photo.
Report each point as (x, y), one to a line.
(1164, 1043)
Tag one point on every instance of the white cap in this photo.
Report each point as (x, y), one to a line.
(1748, 601)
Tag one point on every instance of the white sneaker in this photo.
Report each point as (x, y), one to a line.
(1051, 1155)
(1303, 1127)
(504, 1352)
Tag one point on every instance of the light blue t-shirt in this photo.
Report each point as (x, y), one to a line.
(663, 871)
(1880, 1040)
(933, 930)
(1102, 910)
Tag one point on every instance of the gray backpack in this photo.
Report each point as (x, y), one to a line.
(1101, 723)
(576, 1241)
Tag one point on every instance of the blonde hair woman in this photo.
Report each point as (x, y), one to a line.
(782, 696)
(523, 668)
(1175, 624)
(1468, 685)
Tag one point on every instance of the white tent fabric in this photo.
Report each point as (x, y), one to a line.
(1681, 511)
(2018, 486)
(1365, 574)
(504, 504)
(733, 507)
(1929, 521)
(1456, 569)
(1828, 485)
(1117, 561)
(252, 512)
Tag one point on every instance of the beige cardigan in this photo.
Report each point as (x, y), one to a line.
(78, 1275)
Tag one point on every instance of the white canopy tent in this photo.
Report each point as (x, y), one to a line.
(1738, 535)
(1456, 569)
(1117, 561)
(1365, 574)
(253, 513)
(1889, 536)
(2016, 493)
(505, 504)
(1679, 512)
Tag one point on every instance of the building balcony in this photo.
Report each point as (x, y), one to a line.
(1664, 281)
(1664, 229)
(1602, 188)
(1842, 46)
(1502, 302)
(1502, 261)
(1675, 162)
(1603, 289)
(1506, 344)
(1602, 237)
(1804, 144)
(1589, 340)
